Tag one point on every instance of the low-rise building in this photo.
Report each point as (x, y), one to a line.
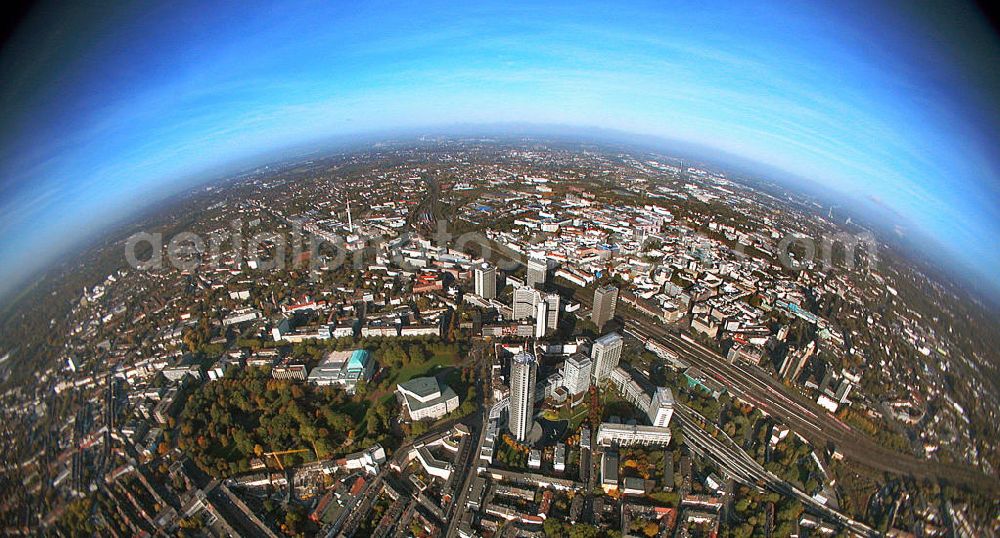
(534, 459)
(344, 369)
(609, 434)
(289, 369)
(609, 471)
(427, 398)
(559, 458)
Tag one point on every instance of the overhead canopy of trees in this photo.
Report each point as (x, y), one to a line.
(226, 423)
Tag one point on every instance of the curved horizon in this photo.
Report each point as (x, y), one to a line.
(110, 108)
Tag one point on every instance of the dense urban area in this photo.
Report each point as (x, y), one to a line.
(471, 337)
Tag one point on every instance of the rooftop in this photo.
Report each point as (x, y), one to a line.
(608, 339)
(358, 360)
(524, 358)
(423, 387)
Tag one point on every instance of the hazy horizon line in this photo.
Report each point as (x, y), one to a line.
(346, 143)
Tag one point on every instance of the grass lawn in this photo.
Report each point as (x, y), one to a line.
(577, 419)
(429, 367)
(575, 416)
(437, 363)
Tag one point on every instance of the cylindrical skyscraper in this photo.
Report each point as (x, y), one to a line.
(522, 395)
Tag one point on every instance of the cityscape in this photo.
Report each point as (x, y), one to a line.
(488, 336)
(561, 269)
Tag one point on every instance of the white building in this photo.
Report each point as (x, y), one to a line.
(527, 303)
(486, 281)
(535, 459)
(609, 434)
(525, 300)
(576, 373)
(522, 395)
(343, 369)
(369, 459)
(605, 352)
(541, 311)
(433, 466)
(427, 398)
(241, 316)
(630, 389)
(559, 458)
(661, 408)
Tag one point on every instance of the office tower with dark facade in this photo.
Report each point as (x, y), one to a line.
(605, 301)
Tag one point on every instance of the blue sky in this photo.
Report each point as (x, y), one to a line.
(108, 108)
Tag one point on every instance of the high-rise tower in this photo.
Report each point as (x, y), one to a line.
(576, 373)
(486, 281)
(522, 395)
(524, 302)
(605, 352)
(605, 301)
(541, 315)
(537, 271)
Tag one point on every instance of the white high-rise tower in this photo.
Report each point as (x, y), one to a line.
(605, 352)
(522, 395)
(576, 373)
(541, 318)
(486, 281)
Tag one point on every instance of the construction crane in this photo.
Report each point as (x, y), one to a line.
(278, 453)
(277, 458)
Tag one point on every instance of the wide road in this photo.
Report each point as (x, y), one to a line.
(481, 417)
